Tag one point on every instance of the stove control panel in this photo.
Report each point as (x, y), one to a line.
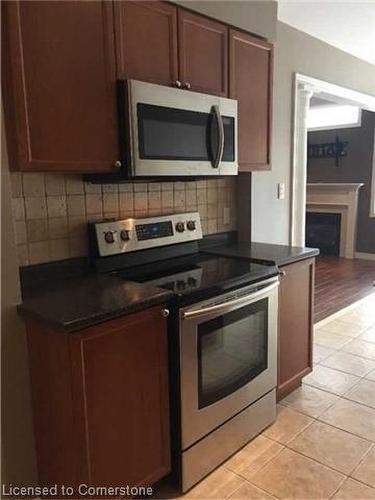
(130, 235)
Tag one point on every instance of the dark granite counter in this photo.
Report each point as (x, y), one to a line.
(69, 296)
(279, 255)
(75, 303)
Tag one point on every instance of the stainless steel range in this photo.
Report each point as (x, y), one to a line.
(222, 334)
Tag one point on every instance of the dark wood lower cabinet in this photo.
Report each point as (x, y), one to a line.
(296, 306)
(100, 402)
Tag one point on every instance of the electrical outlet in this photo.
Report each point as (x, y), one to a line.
(226, 215)
(281, 190)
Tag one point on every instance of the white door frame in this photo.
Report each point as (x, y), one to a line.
(303, 88)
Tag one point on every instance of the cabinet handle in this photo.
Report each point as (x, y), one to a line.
(165, 313)
(187, 86)
(178, 84)
(282, 273)
(117, 164)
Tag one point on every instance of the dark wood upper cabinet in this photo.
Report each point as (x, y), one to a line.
(59, 85)
(146, 41)
(203, 53)
(250, 82)
(101, 401)
(61, 61)
(296, 306)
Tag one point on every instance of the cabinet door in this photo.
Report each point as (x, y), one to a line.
(146, 41)
(59, 84)
(250, 82)
(120, 382)
(295, 324)
(203, 53)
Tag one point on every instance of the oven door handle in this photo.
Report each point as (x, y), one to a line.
(249, 298)
(220, 148)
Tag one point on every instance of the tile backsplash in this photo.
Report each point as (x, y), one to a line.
(51, 211)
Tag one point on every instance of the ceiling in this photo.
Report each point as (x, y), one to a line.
(349, 26)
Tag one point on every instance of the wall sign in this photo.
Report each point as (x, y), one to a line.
(336, 150)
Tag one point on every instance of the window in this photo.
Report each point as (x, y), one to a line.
(333, 116)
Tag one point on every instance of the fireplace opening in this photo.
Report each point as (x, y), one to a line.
(323, 232)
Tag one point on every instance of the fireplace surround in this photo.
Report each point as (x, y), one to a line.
(340, 199)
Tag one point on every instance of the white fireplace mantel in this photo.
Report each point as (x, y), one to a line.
(341, 198)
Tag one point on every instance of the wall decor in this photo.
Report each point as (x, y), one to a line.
(337, 150)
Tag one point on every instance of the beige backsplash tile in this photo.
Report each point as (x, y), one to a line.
(58, 227)
(37, 230)
(33, 185)
(55, 184)
(76, 204)
(51, 211)
(36, 208)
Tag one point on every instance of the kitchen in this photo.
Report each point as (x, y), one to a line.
(128, 322)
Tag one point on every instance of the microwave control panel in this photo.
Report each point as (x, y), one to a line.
(130, 235)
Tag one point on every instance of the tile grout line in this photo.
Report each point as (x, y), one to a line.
(358, 465)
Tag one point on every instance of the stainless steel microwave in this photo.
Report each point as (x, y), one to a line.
(173, 132)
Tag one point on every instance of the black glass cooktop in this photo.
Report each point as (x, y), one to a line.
(199, 274)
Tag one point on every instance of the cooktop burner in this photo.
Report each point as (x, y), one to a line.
(163, 252)
(198, 273)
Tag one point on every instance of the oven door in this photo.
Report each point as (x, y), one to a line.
(180, 133)
(227, 357)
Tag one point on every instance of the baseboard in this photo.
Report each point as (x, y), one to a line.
(364, 256)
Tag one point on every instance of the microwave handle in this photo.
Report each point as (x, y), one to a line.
(220, 148)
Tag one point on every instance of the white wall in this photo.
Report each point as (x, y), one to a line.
(296, 52)
(258, 17)
(18, 464)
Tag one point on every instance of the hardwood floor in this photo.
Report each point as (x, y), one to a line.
(340, 282)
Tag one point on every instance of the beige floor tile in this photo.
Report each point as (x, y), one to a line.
(291, 475)
(371, 375)
(368, 335)
(310, 400)
(344, 328)
(351, 417)
(353, 490)
(330, 446)
(365, 472)
(331, 340)
(358, 316)
(249, 492)
(221, 483)
(331, 380)
(253, 456)
(364, 393)
(360, 348)
(349, 363)
(320, 353)
(288, 424)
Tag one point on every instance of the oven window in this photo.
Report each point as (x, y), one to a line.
(232, 350)
(177, 134)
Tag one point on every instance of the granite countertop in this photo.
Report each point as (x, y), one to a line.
(278, 255)
(70, 296)
(76, 303)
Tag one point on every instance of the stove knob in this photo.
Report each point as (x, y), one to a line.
(180, 227)
(191, 225)
(124, 235)
(192, 281)
(181, 285)
(109, 237)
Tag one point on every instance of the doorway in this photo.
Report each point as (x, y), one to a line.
(326, 193)
(304, 88)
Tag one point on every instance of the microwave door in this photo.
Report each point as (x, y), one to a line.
(218, 154)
